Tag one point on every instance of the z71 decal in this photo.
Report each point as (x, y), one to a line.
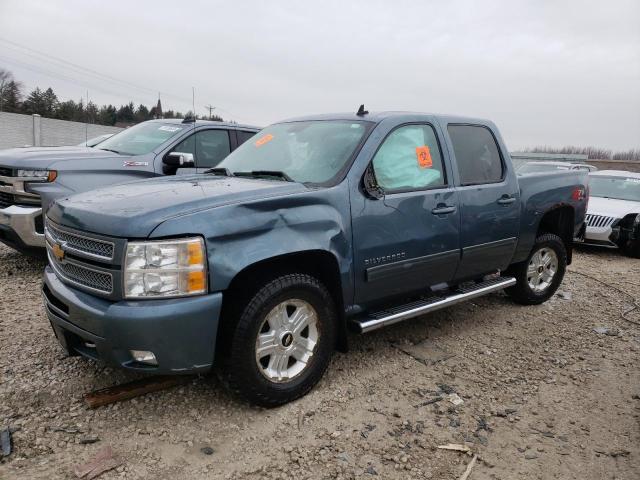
(131, 163)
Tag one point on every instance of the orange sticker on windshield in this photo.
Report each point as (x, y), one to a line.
(261, 141)
(424, 157)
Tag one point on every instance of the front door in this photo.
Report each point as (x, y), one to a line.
(489, 201)
(208, 147)
(407, 240)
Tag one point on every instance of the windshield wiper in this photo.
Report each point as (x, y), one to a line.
(110, 150)
(265, 173)
(223, 172)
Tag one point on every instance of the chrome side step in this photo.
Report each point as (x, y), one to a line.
(393, 315)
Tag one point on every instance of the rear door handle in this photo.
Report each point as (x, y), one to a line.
(506, 200)
(443, 210)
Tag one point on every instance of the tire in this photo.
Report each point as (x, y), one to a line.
(537, 279)
(631, 248)
(294, 317)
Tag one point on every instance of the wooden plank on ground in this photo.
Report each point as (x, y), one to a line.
(125, 391)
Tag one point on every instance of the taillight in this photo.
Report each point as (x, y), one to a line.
(579, 193)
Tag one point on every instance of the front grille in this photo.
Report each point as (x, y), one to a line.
(6, 200)
(72, 241)
(82, 275)
(599, 221)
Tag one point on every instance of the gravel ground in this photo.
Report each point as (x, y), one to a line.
(545, 396)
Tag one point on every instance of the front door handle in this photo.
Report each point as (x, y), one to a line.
(506, 200)
(443, 209)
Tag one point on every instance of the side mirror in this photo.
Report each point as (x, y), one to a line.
(370, 184)
(180, 160)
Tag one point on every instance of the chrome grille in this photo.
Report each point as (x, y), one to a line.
(6, 200)
(81, 275)
(90, 246)
(599, 221)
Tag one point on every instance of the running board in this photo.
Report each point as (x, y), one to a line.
(397, 314)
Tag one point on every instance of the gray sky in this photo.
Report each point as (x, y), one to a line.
(547, 72)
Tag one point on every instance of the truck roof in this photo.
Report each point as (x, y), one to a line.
(377, 117)
(206, 122)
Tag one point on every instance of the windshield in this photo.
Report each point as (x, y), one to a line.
(306, 152)
(620, 188)
(141, 138)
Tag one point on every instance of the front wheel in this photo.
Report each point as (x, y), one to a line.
(282, 342)
(540, 275)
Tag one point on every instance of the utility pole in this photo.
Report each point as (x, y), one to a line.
(211, 108)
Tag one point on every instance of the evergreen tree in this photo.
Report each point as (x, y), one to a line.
(126, 113)
(10, 94)
(66, 110)
(142, 114)
(91, 113)
(35, 103)
(107, 115)
(10, 97)
(50, 103)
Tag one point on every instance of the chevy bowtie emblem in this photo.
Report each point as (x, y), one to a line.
(58, 251)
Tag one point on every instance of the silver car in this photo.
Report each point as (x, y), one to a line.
(613, 214)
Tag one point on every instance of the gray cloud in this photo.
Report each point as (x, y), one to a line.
(547, 72)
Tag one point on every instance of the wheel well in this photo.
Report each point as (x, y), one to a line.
(559, 221)
(318, 263)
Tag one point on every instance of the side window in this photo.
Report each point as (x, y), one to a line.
(477, 154)
(186, 145)
(409, 159)
(244, 136)
(208, 147)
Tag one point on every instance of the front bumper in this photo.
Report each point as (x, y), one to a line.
(180, 332)
(600, 236)
(22, 227)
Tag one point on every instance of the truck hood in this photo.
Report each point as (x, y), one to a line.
(611, 207)
(135, 209)
(46, 157)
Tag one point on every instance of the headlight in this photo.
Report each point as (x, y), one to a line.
(38, 175)
(166, 268)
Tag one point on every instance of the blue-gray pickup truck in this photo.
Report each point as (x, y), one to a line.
(315, 225)
(32, 178)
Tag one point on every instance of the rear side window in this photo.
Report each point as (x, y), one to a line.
(244, 136)
(409, 159)
(477, 154)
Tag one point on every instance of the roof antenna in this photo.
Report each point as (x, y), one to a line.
(361, 111)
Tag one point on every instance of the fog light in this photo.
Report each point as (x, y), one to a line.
(143, 356)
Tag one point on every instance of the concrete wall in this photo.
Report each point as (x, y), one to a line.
(17, 130)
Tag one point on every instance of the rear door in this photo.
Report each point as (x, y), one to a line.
(489, 200)
(407, 240)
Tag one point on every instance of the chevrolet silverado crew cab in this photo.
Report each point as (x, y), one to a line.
(32, 178)
(315, 225)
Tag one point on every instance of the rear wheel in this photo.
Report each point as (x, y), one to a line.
(283, 341)
(540, 275)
